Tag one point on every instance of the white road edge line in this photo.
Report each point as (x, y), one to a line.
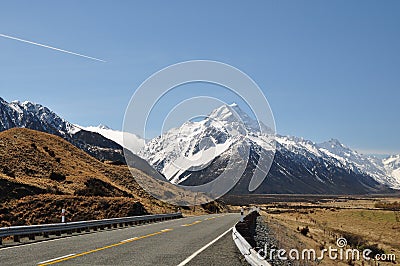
(203, 248)
(47, 261)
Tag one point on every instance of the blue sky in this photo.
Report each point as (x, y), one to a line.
(330, 69)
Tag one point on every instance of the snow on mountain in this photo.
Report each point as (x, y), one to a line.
(34, 116)
(340, 155)
(370, 165)
(199, 149)
(194, 145)
(134, 143)
(392, 166)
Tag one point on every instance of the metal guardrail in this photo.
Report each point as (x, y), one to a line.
(249, 253)
(46, 229)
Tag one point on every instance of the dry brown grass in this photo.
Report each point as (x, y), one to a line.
(355, 219)
(50, 163)
(41, 173)
(47, 209)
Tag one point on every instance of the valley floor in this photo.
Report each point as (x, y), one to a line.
(372, 223)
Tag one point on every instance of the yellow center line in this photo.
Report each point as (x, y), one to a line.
(210, 218)
(195, 222)
(103, 248)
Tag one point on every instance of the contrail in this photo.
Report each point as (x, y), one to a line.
(50, 47)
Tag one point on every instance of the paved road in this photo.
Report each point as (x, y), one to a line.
(164, 243)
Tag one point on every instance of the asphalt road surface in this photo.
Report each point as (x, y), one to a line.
(196, 240)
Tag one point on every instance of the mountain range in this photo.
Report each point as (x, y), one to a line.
(299, 166)
(202, 149)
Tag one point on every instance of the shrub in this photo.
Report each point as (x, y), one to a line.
(304, 231)
(57, 177)
(354, 240)
(50, 152)
(395, 206)
(8, 172)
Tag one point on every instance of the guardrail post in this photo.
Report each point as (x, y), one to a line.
(16, 239)
(32, 237)
(46, 235)
(1, 241)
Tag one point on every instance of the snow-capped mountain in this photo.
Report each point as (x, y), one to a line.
(34, 116)
(197, 152)
(193, 146)
(134, 143)
(38, 117)
(370, 165)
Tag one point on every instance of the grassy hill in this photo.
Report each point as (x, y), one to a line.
(41, 173)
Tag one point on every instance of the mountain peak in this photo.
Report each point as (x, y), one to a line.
(233, 114)
(332, 144)
(28, 106)
(335, 142)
